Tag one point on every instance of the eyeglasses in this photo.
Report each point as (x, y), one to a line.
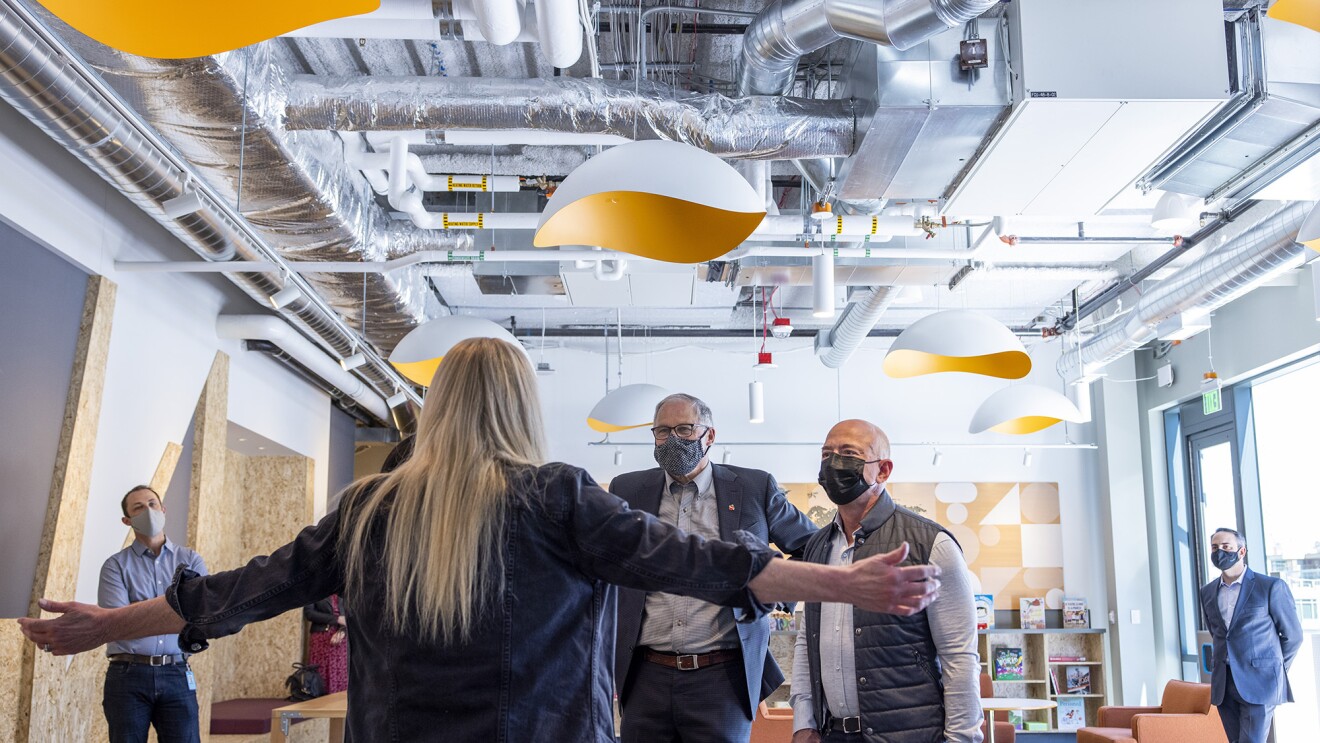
(684, 431)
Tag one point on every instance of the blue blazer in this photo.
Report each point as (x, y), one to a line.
(760, 508)
(1260, 645)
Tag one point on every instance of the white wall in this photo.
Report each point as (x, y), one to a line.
(804, 399)
(163, 339)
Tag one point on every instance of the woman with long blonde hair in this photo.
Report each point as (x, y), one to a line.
(481, 579)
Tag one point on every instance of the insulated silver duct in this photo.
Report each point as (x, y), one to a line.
(56, 94)
(787, 30)
(1266, 250)
(756, 128)
(858, 320)
(222, 114)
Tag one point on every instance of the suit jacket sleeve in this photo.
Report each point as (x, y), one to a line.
(789, 528)
(1283, 610)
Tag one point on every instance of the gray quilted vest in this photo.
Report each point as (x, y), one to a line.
(898, 675)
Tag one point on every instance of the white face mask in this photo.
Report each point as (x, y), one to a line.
(148, 522)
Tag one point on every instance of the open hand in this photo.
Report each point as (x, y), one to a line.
(806, 735)
(80, 628)
(880, 586)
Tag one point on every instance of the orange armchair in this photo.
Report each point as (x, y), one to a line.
(1185, 714)
(772, 725)
(1004, 731)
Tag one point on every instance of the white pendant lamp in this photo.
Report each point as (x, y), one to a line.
(1302, 12)
(755, 402)
(419, 354)
(1023, 409)
(1309, 234)
(629, 406)
(957, 341)
(822, 284)
(1177, 214)
(663, 200)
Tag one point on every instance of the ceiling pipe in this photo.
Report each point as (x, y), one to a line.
(594, 332)
(1200, 288)
(836, 345)
(275, 330)
(46, 82)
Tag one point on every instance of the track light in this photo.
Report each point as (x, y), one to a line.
(349, 363)
(286, 296)
(935, 460)
(618, 457)
(397, 399)
(726, 457)
(1026, 458)
(822, 284)
(182, 205)
(755, 403)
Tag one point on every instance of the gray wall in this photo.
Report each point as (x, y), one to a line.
(41, 298)
(342, 450)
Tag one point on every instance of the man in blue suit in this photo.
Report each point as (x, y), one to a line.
(684, 669)
(1253, 622)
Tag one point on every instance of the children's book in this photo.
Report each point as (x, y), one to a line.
(1032, 613)
(1009, 664)
(1072, 713)
(985, 611)
(1075, 615)
(1079, 680)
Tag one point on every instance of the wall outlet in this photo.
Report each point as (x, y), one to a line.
(1136, 616)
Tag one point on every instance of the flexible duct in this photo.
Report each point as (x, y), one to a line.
(275, 330)
(38, 79)
(756, 128)
(857, 321)
(1215, 280)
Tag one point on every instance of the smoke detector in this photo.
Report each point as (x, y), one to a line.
(782, 328)
(765, 360)
(821, 211)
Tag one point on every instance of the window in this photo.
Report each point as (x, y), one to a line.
(1306, 609)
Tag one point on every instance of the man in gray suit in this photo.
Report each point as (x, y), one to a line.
(687, 670)
(1253, 622)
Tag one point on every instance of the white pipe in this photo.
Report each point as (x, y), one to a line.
(822, 284)
(560, 31)
(407, 198)
(273, 329)
(618, 266)
(878, 228)
(500, 21)
(502, 137)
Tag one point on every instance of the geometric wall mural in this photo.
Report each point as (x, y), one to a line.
(1010, 533)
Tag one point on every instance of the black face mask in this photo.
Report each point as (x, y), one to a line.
(841, 476)
(1223, 559)
(679, 456)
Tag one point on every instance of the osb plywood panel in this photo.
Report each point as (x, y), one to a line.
(273, 496)
(207, 508)
(11, 655)
(54, 689)
(160, 481)
(1010, 533)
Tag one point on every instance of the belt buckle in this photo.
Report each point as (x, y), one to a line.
(151, 660)
(694, 661)
(852, 724)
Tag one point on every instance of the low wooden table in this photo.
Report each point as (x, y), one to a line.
(1001, 704)
(332, 706)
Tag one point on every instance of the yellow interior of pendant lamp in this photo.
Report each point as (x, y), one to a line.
(1302, 12)
(421, 372)
(1025, 424)
(649, 225)
(176, 29)
(903, 363)
(603, 427)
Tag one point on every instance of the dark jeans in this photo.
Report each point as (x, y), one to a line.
(138, 696)
(666, 705)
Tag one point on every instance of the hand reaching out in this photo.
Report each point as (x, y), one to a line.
(80, 627)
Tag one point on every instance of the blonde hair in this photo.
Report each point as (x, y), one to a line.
(446, 507)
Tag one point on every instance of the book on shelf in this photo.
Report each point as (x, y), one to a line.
(1072, 713)
(1054, 681)
(1009, 664)
(1032, 613)
(985, 611)
(1039, 726)
(1078, 679)
(1015, 718)
(1075, 614)
(1067, 658)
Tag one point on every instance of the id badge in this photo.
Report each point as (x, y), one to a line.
(192, 680)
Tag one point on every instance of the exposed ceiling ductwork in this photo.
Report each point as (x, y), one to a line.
(837, 345)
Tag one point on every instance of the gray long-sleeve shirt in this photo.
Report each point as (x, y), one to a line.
(952, 619)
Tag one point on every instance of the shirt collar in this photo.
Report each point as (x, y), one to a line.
(884, 508)
(703, 480)
(1241, 579)
(140, 549)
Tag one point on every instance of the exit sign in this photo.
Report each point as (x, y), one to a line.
(1211, 402)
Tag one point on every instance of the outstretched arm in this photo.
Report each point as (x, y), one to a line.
(85, 627)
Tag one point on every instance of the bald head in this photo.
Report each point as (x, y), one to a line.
(864, 435)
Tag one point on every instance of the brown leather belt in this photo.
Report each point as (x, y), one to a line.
(148, 660)
(691, 662)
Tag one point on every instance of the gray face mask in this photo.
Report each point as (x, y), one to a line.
(148, 522)
(679, 456)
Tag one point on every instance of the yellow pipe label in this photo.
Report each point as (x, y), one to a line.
(448, 223)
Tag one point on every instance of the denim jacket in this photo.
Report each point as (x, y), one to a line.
(538, 665)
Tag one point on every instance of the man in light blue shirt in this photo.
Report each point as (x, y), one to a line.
(149, 682)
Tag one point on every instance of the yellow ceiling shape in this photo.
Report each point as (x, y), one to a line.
(663, 200)
(171, 29)
(957, 341)
(1023, 409)
(420, 352)
(1302, 12)
(629, 406)
(1309, 234)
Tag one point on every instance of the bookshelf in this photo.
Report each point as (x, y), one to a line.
(1038, 646)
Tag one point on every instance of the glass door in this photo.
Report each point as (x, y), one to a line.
(1214, 492)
